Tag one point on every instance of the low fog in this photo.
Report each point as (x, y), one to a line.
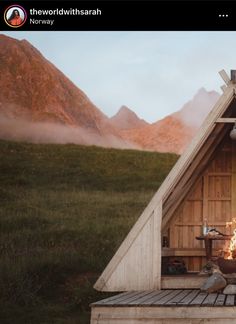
(192, 115)
(36, 132)
(196, 110)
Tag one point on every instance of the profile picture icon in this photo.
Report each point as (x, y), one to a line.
(15, 16)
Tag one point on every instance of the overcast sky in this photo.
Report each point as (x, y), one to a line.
(153, 73)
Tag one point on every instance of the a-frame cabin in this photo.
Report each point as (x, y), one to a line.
(201, 185)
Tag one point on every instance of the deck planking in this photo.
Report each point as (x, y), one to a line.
(198, 300)
(210, 300)
(220, 300)
(189, 298)
(165, 299)
(123, 299)
(154, 298)
(175, 300)
(230, 300)
(169, 297)
(146, 298)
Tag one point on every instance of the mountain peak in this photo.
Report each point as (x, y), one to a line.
(202, 90)
(124, 109)
(183, 125)
(195, 111)
(125, 118)
(12, 40)
(34, 91)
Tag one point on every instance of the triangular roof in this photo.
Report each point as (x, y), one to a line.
(137, 263)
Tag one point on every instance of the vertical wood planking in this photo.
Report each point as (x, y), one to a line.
(233, 205)
(205, 212)
(210, 199)
(156, 248)
(138, 263)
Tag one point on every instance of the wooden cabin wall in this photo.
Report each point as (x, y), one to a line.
(213, 198)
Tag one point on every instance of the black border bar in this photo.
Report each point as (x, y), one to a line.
(130, 15)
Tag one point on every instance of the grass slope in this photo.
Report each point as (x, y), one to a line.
(64, 210)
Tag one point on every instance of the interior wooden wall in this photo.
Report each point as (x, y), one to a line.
(213, 197)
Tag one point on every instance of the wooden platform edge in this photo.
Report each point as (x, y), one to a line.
(142, 314)
(191, 282)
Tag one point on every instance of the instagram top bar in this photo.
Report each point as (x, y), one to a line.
(117, 15)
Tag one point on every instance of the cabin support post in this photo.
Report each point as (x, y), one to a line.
(233, 190)
(156, 274)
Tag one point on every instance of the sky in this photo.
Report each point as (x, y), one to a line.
(152, 73)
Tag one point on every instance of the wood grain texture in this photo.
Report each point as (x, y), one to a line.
(210, 198)
(182, 282)
(168, 297)
(136, 264)
(166, 306)
(233, 179)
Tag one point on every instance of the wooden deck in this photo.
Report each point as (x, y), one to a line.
(165, 306)
(167, 298)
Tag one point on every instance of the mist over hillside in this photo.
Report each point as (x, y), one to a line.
(39, 104)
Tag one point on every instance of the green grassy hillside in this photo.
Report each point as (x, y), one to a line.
(64, 210)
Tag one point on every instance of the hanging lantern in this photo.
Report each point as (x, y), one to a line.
(233, 133)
